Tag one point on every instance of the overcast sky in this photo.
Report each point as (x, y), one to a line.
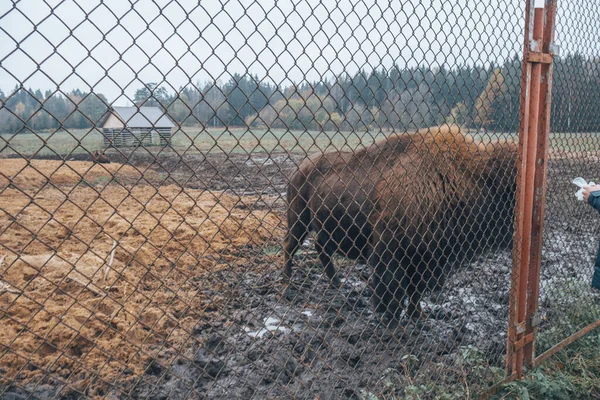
(113, 46)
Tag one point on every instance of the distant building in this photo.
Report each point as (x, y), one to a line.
(130, 126)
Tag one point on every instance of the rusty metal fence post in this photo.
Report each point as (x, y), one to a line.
(533, 148)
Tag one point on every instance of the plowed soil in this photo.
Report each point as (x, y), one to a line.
(67, 310)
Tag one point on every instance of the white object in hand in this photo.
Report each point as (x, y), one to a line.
(581, 183)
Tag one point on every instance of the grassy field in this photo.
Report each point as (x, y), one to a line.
(219, 140)
(242, 140)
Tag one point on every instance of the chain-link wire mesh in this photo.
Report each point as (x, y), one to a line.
(567, 302)
(270, 199)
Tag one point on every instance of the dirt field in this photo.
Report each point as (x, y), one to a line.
(198, 309)
(68, 311)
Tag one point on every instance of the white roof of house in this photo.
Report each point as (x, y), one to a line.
(132, 117)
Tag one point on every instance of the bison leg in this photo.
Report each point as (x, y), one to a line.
(325, 258)
(294, 237)
(387, 291)
(298, 228)
(426, 274)
(415, 291)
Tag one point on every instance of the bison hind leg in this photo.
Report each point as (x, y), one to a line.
(414, 310)
(388, 301)
(419, 283)
(387, 282)
(323, 245)
(298, 228)
(428, 274)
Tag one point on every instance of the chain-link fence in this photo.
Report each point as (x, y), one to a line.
(567, 304)
(276, 199)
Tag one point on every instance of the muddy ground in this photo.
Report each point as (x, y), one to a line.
(259, 337)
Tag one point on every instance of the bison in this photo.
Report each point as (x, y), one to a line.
(414, 206)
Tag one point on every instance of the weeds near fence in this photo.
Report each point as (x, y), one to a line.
(573, 373)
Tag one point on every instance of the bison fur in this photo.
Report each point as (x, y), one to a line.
(414, 206)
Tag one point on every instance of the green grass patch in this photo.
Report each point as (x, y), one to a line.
(573, 306)
(272, 249)
(194, 139)
(243, 140)
(572, 373)
(61, 143)
(462, 375)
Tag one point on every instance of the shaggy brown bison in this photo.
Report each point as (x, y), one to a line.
(414, 206)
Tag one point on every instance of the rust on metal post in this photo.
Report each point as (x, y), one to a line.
(533, 133)
(524, 341)
(528, 188)
(516, 270)
(539, 57)
(519, 257)
(541, 158)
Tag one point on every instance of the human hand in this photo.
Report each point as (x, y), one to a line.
(589, 189)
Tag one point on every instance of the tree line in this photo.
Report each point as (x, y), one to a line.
(397, 98)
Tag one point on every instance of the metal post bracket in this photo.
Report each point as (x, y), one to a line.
(539, 57)
(523, 341)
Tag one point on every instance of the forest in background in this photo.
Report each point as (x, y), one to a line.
(401, 99)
